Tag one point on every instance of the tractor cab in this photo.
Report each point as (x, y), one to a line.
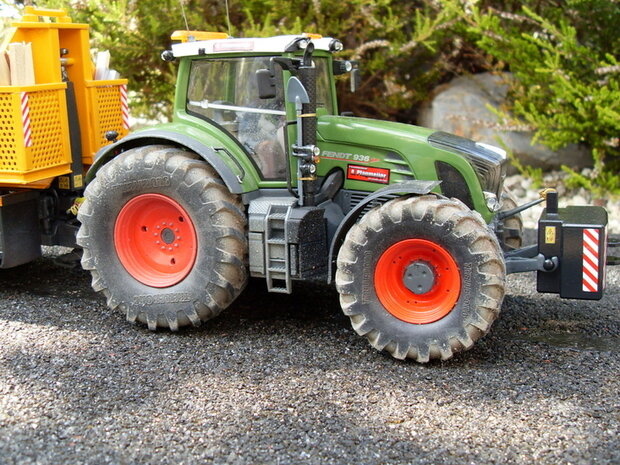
(224, 88)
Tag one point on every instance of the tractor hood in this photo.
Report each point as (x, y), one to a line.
(400, 152)
(371, 132)
(387, 152)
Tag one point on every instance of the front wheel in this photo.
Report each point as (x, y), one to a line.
(163, 237)
(511, 234)
(421, 277)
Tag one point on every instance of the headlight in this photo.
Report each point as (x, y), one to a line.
(335, 46)
(493, 204)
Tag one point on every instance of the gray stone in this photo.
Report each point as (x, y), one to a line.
(461, 107)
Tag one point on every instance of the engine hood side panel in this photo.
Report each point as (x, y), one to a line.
(375, 153)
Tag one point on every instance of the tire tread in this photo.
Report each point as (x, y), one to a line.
(465, 223)
(229, 276)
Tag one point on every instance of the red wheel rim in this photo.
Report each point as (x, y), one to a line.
(402, 302)
(155, 240)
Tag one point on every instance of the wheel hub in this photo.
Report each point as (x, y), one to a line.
(167, 235)
(419, 277)
(155, 240)
(417, 281)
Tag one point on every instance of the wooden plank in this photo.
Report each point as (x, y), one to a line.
(21, 65)
(5, 71)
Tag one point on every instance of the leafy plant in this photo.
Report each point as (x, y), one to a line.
(399, 42)
(601, 181)
(567, 75)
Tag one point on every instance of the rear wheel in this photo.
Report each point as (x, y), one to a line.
(421, 277)
(163, 237)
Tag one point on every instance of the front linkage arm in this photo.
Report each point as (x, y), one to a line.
(529, 259)
(613, 259)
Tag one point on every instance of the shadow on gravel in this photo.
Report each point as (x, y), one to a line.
(260, 395)
(43, 293)
(286, 376)
(33, 283)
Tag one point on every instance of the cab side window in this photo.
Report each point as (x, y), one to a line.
(225, 91)
(323, 86)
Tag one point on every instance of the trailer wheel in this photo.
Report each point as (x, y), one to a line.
(163, 238)
(421, 277)
(511, 234)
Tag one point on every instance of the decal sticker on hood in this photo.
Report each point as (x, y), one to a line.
(348, 157)
(367, 173)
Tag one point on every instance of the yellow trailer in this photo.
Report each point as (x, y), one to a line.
(50, 129)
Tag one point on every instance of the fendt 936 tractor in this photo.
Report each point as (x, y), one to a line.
(259, 176)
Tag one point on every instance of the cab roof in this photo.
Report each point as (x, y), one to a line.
(194, 44)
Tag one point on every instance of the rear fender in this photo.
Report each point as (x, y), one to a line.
(236, 180)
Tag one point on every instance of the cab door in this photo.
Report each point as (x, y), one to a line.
(224, 91)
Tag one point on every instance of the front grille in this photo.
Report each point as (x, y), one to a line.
(453, 184)
(488, 165)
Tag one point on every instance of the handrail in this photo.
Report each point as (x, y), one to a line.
(32, 14)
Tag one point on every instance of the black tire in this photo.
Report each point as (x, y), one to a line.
(458, 231)
(511, 233)
(217, 274)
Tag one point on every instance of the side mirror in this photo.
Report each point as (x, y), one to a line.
(296, 92)
(348, 66)
(342, 67)
(266, 84)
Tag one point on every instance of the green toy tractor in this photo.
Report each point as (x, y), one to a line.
(258, 175)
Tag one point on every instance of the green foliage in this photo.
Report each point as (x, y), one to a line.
(602, 181)
(397, 41)
(565, 61)
(564, 55)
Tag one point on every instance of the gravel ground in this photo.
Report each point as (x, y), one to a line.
(284, 380)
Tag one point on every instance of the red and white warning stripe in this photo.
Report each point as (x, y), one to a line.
(124, 106)
(26, 120)
(590, 260)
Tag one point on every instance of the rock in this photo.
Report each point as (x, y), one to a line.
(460, 107)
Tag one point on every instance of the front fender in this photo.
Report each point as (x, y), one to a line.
(416, 187)
(236, 179)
